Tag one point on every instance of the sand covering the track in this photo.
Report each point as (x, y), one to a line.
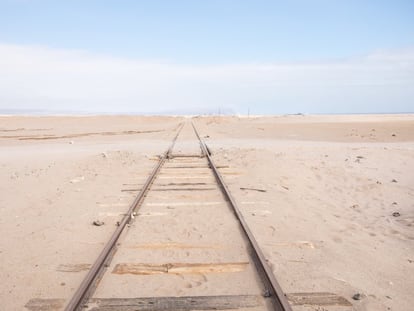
(318, 192)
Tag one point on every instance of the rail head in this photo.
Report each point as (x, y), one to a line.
(85, 289)
(272, 287)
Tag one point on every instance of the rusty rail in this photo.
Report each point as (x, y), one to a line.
(272, 290)
(272, 287)
(86, 288)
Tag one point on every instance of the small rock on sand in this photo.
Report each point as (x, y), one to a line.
(357, 296)
(98, 223)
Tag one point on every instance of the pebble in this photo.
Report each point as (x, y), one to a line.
(396, 214)
(98, 223)
(357, 296)
(267, 293)
(394, 180)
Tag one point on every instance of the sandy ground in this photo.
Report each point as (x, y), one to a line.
(53, 188)
(324, 217)
(332, 185)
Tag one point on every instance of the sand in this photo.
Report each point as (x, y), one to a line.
(324, 215)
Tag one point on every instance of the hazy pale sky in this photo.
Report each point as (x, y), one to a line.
(310, 56)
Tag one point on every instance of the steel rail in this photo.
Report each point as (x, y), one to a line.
(272, 287)
(85, 289)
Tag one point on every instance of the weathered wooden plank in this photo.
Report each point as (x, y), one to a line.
(183, 189)
(178, 268)
(143, 269)
(73, 267)
(38, 304)
(186, 166)
(175, 303)
(177, 204)
(317, 299)
(185, 184)
(172, 245)
(189, 303)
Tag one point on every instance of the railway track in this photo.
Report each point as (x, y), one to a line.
(182, 245)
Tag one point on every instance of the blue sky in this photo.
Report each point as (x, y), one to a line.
(337, 55)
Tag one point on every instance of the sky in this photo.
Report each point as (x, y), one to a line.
(265, 57)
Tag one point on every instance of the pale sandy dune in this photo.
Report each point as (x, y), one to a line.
(324, 215)
(53, 189)
(332, 185)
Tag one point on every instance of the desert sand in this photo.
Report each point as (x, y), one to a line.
(330, 199)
